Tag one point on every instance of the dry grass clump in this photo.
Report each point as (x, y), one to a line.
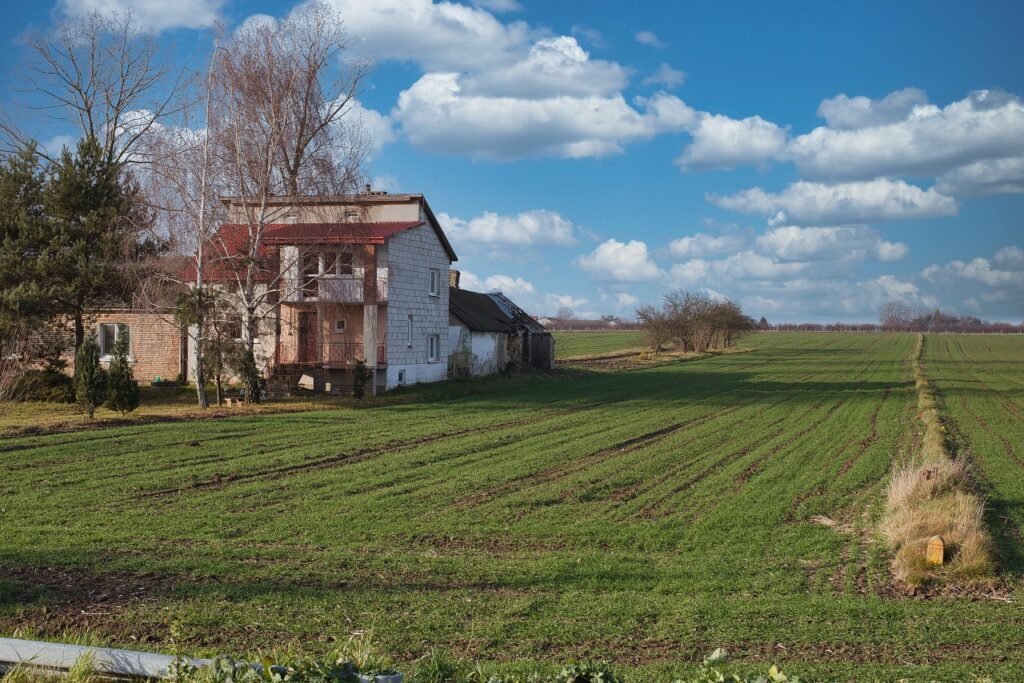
(934, 498)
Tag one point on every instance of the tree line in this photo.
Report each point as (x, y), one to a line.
(693, 321)
(127, 215)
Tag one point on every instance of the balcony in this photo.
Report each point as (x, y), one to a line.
(335, 289)
(335, 354)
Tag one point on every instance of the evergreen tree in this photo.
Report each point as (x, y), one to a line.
(90, 377)
(23, 234)
(122, 390)
(95, 218)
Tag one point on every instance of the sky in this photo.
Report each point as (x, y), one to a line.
(810, 161)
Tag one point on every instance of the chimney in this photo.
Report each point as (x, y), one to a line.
(369, 188)
(453, 278)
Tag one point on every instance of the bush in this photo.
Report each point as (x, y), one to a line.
(361, 375)
(49, 386)
(90, 377)
(122, 390)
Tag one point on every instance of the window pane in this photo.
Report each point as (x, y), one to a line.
(125, 331)
(108, 334)
(343, 263)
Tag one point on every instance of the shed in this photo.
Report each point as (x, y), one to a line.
(489, 333)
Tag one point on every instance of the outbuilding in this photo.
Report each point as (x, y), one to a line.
(488, 333)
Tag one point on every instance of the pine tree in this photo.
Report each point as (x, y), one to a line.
(95, 218)
(90, 377)
(122, 390)
(23, 234)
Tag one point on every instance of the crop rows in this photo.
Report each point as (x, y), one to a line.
(643, 517)
(584, 343)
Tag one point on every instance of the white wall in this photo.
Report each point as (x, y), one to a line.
(410, 256)
(486, 349)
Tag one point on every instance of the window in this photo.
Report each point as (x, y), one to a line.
(434, 348)
(338, 263)
(233, 326)
(401, 376)
(409, 336)
(339, 325)
(108, 335)
(435, 282)
(310, 272)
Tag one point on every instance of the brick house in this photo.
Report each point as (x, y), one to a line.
(157, 344)
(345, 278)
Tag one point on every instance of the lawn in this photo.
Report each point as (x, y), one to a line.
(572, 343)
(644, 517)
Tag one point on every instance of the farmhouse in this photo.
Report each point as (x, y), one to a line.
(342, 280)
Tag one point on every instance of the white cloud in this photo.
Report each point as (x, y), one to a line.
(552, 67)
(807, 203)
(854, 243)
(666, 76)
(850, 113)
(702, 244)
(625, 300)
(156, 15)
(991, 176)
(522, 292)
(385, 183)
(1011, 257)
(987, 124)
(982, 271)
(437, 115)
(620, 262)
(648, 38)
(746, 265)
(523, 229)
(439, 36)
(722, 142)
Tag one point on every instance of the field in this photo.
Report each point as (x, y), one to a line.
(642, 517)
(569, 344)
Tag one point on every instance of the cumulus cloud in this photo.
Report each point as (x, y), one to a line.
(854, 243)
(720, 142)
(553, 66)
(850, 113)
(523, 229)
(666, 76)
(746, 265)
(522, 292)
(648, 38)
(155, 15)
(436, 114)
(1011, 257)
(620, 262)
(702, 244)
(499, 6)
(929, 140)
(992, 176)
(808, 203)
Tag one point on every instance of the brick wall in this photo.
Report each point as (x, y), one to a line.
(155, 343)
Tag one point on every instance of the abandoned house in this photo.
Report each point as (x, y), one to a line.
(488, 333)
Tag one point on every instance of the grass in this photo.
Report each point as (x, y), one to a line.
(643, 517)
(572, 343)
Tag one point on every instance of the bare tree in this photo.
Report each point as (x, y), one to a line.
(282, 130)
(895, 316)
(103, 75)
(695, 320)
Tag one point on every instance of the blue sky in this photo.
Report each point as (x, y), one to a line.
(809, 160)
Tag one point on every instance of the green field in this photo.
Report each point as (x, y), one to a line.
(642, 517)
(584, 343)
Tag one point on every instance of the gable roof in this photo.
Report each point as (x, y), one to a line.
(489, 312)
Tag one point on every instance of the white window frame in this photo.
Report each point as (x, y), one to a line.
(340, 326)
(435, 282)
(433, 348)
(409, 328)
(107, 354)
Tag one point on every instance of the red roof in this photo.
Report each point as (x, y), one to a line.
(231, 240)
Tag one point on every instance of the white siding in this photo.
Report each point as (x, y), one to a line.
(410, 256)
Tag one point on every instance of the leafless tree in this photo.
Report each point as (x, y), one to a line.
(282, 129)
(104, 76)
(695, 320)
(895, 316)
(12, 361)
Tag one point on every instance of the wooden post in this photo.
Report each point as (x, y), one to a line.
(370, 313)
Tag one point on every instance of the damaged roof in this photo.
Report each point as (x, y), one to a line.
(489, 312)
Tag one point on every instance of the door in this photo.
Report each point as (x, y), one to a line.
(307, 337)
